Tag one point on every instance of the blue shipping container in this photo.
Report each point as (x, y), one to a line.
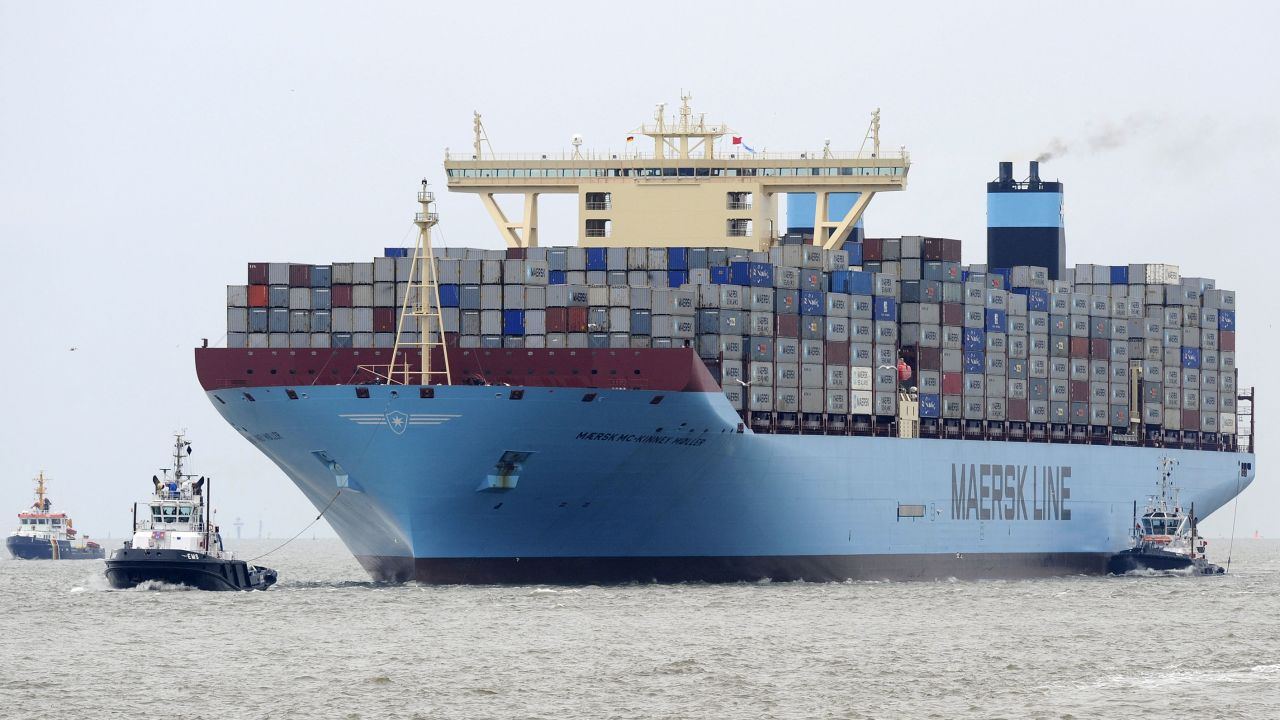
(513, 322)
(839, 281)
(597, 259)
(641, 322)
(886, 309)
(930, 405)
(676, 278)
(1191, 358)
(975, 362)
(855, 252)
(555, 277)
(449, 295)
(677, 259)
(975, 340)
(1119, 274)
(720, 275)
(341, 340)
(860, 282)
(996, 321)
(321, 298)
(1226, 319)
(751, 273)
(812, 303)
(321, 276)
(1038, 299)
(395, 252)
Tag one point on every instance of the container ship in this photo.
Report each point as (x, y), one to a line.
(696, 391)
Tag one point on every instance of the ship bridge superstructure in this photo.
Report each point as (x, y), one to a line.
(692, 189)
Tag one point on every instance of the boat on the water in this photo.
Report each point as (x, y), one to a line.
(1165, 538)
(696, 385)
(176, 541)
(46, 535)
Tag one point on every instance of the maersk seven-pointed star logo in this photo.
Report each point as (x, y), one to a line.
(399, 421)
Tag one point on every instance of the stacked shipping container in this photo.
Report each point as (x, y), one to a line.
(802, 337)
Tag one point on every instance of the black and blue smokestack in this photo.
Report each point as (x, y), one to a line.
(1024, 222)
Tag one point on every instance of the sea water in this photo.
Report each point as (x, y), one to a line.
(327, 643)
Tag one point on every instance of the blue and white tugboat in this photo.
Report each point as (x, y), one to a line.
(1165, 537)
(46, 535)
(176, 542)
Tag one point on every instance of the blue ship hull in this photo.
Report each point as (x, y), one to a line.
(30, 548)
(473, 486)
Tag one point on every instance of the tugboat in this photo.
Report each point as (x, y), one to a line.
(1165, 537)
(177, 543)
(45, 535)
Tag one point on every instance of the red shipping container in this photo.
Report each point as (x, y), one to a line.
(836, 352)
(1227, 340)
(873, 250)
(1016, 410)
(788, 326)
(1191, 420)
(384, 319)
(1100, 349)
(931, 249)
(953, 314)
(258, 296)
(952, 383)
(517, 253)
(950, 250)
(299, 276)
(930, 358)
(1080, 391)
(259, 274)
(557, 320)
(1079, 347)
(577, 317)
(340, 296)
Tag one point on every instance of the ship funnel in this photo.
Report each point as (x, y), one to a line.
(1024, 223)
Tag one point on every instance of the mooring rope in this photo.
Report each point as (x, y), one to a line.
(1235, 511)
(308, 527)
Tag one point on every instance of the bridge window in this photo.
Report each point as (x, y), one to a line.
(739, 227)
(599, 228)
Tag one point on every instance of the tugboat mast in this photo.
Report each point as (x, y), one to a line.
(40, 492)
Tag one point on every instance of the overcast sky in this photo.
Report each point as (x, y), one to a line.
(149, 150)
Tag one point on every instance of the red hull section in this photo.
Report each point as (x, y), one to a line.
(676, 370)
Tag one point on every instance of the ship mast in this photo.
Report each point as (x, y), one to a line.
(40, 491)
(422, 303)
